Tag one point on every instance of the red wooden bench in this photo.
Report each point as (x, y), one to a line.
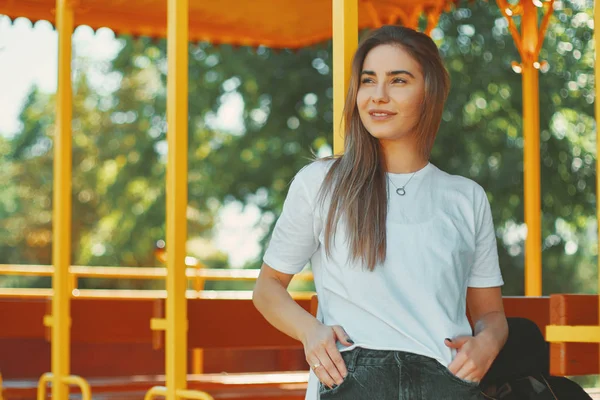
(115, 350)
(109, 338)
(118, 353)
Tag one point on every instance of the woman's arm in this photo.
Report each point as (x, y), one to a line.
(487, 313)
(274, 302)
(476, 353)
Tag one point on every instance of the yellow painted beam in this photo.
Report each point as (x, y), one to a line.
(197, 361)
(578, 334)
(61, 223)
(531, 136)
(229, 274)
(345, 42)
(177, 180)
(47, 320)
(158, 324)
(137, 294)
(529, 42)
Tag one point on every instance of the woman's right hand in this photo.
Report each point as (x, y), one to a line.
(323, 355)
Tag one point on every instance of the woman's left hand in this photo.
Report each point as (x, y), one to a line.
(474, 357)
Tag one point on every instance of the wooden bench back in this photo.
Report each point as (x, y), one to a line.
(222, 323)
(92, 320)
(115, 328)
(113, 320)
(234, 323)
(109, 337)
(22, 318)
(533, 308)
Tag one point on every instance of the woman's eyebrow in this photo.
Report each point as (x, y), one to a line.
(389, 73)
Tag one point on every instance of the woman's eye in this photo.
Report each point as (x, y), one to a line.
(366, 80)
(398, 80)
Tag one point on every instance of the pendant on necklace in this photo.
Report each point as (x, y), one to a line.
(400, 191)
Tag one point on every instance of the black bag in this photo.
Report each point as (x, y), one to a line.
(565, 388)
(538, 387)
(521, 370)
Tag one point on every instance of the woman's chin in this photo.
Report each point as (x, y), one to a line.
(383, 135)
(392, 135)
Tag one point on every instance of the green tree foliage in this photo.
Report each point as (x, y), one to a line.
(481, 136)
(119, 141)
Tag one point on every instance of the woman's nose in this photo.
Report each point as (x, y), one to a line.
(380, 95)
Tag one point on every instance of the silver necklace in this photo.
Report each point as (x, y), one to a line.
(400, 191)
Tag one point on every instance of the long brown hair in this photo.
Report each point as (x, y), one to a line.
(356, 182)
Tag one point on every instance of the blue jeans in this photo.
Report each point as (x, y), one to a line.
(397, 375)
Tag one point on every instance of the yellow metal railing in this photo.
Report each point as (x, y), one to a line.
(198, 276)
(73, 380)
(140, 294)
(140, 272)
(155, 392)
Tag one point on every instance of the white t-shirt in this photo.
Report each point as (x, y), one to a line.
(440, 240)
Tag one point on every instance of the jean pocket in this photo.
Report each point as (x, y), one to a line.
(455, 378)
(442, 369)
(325, 390)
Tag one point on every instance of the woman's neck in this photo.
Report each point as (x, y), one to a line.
(402, 158)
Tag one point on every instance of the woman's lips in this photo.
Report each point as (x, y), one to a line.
(381, 115)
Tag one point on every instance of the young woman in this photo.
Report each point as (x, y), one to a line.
(398, 247)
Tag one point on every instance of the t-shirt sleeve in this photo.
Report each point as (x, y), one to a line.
(293, 241)
(485, 271)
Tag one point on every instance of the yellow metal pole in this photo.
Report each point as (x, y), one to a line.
(61, 232)
(177, 180)
(597, 110)
(531, 136)
(345, 42)
(197, 361)
(529, 43)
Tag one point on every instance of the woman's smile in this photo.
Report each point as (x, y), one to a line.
(381, 115)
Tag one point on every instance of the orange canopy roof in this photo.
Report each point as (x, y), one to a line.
(272, 23)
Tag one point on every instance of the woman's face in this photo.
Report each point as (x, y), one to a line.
(390, 93)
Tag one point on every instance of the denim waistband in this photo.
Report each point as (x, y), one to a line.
(362, 356)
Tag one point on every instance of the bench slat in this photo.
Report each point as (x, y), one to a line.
(234, 324)
(113, 320)
(22, 319)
